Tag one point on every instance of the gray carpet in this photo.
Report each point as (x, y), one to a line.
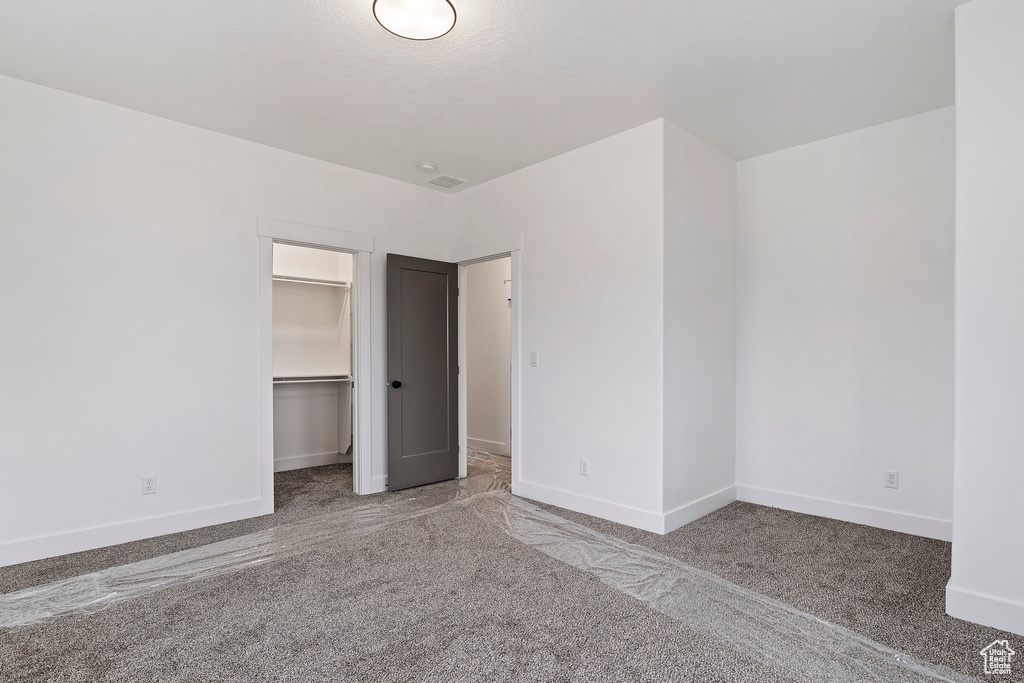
(882, 584)
(445, 597)
(298, 494)
(440, 598)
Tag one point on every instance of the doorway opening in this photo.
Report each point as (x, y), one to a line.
(313, 361)
(486, 378)
(488, 364)
(423, 410)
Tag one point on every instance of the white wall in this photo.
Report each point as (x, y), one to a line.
(487, 354)
(845, 346)
(310, 428)
(591, 221)
(130, 312)
(988, 505)
(312, 327)
(316, 264)
(312, 330)
(700, 328)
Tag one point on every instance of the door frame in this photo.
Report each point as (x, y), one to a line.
(500, 247)
(269, 231)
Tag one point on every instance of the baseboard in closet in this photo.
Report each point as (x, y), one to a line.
(298, 462)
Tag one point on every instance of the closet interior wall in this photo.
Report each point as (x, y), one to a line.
(312, 333)
(488, 381)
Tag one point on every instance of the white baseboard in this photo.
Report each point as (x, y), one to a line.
(906, 523)
(41, 547)
(378, 484)
(986, 610)
(690, 512)
(614, 512)
(484, 444)
(298, 462)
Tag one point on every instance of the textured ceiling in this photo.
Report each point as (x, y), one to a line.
(516, 81)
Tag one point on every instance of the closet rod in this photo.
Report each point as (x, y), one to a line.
(312, 380)
(312, 281)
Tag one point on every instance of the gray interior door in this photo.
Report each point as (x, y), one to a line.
(423, 430)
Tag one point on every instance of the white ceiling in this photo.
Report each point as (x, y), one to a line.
(516, 81)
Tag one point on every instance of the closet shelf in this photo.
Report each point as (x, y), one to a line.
(312, 281)
(313, 379)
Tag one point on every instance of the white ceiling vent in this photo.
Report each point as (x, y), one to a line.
(446, 181)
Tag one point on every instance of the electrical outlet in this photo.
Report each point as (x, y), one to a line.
(892, 479)
(148, 485)
(584, 467)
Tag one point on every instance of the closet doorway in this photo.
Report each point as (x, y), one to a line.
(313, 361)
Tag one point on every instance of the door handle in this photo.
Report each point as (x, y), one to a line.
(397, 384)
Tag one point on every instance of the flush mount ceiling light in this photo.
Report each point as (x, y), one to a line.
(416, 19)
